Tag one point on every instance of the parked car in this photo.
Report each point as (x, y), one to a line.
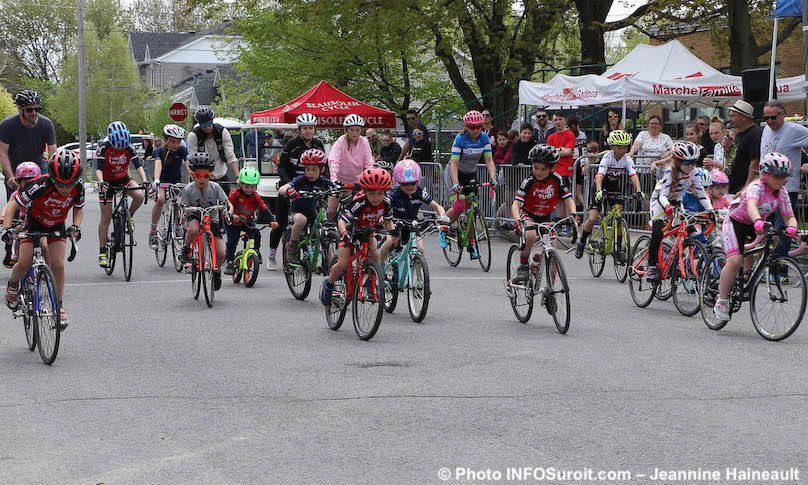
(89, 149)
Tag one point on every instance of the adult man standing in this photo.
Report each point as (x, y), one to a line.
(542, 130)
(747, 155)
(413, 122)
(23, 137)
(390, 153)
(375, 143)
(215, 140)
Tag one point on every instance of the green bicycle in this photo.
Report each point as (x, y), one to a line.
(470, 233)
(406, 269)
(610, 237)
(246, 260)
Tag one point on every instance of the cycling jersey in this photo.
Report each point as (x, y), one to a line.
(171, 164)
(46, 204)
(23, 210)
(114, 162)
(305, 205)
(405, 206)
(289, 165)
(245, 206)
(363, 215)
(468, 153)
(346, 162)
(613, 171)
(667, 192)
(767, 200)
(539, 197)
(213, 195)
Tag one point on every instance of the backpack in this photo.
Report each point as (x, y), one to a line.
(201, 136)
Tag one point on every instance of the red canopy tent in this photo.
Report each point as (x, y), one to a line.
(330, 106)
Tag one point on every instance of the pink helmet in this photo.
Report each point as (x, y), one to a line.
(407, 171)
(719, 177)
(27, 170)
(473, 118)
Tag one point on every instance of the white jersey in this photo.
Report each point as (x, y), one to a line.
(667, 190)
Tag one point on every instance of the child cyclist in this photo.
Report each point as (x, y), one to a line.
(368, 209)
(676, 180)
(24, 173)
(203, 193)
(407, 199)
(168, 162)
(614, 165)
(692, 205)
(537, 198)
(761, 198)
(244, 201)
(718, 190)
(114, 155)
(302, 210)
(48, 199)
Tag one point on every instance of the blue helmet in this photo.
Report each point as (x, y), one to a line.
(118, 134)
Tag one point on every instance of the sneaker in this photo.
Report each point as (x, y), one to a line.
(229, 268)
(442, 241)
(7, 261)
(272, 265)
(579, 250)
(473, 251)
(721, 310)
(292, 255)
(153, 241)
(326, 292)
(103, 259)
(217, 280)
(775, 279)
(521, 275)
(183, 256)
(620, 256)
(652, 274)
(62, 318)
(12, 296)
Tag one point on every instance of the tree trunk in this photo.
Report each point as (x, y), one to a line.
(591, 22)
(743, 47)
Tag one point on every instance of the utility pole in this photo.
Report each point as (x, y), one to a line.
(83, 83)
(805, 48)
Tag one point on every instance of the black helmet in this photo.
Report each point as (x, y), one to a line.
(201, 160)
(544, 154)
(64, 167)
(203, 114)
(26, 96)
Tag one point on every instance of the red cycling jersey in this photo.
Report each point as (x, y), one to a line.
(245, 205)
(114, 162)
(364, 215)
(539, 197)
(46, 204)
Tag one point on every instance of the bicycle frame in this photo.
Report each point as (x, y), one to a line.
(680, 234)
(248, 249)
(354, 272)
(204, 213)
(403, 257)
(313, 237)
(609, 226)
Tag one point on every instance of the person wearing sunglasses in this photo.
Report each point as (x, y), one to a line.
(214, 139)
(48, 200)
(676, 180)
(413, 122)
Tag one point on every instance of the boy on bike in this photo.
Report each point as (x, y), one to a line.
(203, 193)
(537, 198)
(168, 161)
(245, 201)
(368, 209)
(48, 199)
(113, 157)
(302, 211)
(614, 165)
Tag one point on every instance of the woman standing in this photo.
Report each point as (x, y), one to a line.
(651, 144)
(613, 122)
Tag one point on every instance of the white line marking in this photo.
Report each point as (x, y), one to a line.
(108, 283)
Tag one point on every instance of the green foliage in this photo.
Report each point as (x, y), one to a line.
(156, 114)
(7, 106)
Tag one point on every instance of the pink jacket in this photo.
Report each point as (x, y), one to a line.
(347, 163)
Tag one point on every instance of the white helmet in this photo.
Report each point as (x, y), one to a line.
(353, 120)
(173, 131)
(306, 119)
(704, 176)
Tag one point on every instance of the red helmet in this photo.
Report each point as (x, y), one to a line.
(376, 178)
(65, 167)
(313, 156)
(473, 118)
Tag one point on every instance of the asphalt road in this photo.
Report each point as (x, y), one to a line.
(151, 386)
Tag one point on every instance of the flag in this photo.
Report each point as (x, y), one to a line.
(788, 8)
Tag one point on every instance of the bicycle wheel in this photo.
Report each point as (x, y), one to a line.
(418, 292)
(237, 274)
(685, 287)
(127, 246)
(251, 273)
(161, 251)
(708, 289)
(482, 239)
(112, 248)
(777, 300)
(335, 313)
(642, 292)
(196, 276)
(28, 322)
(521, 296)
(557, 298)
(595, 251)
(453, 252)
(621, 249)
(391, 288)
(664, 290)
(367, 310)
(47, 315)
(207, 269)
(298, 276)
(177, 238)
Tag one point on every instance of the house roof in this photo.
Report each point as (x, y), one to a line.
(205, 85)
(161, 43)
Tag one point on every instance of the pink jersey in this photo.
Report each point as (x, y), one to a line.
(346, 162)
(768, 201)
(721, 203)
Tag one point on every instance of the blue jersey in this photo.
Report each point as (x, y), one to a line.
(171, 163)
(406, 207)
(301, 183)
(691, 203)
(469, 153)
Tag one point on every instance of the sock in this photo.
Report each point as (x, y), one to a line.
(523, 259)
(154, 227)
(102, 249)
(272, 252)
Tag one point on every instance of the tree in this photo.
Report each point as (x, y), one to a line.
(7, 106)
(170, 16)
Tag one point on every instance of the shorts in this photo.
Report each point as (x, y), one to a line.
(33, 225)
(538, 219)
(106, 198)
(309, 215)
(605, 203)
(734, 234)
(215, 226)
(465, 179)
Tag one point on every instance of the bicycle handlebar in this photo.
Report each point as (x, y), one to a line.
(60, 234)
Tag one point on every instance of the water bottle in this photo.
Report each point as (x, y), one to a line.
(535, 266)
(310, 251)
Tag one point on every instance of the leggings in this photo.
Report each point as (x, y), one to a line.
(282, 216)
(656, 241)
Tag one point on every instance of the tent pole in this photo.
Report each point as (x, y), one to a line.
(774, 59)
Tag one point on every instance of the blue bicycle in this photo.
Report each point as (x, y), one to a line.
(406, 269)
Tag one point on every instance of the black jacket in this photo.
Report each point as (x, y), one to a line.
(422, 151)
(289, 164)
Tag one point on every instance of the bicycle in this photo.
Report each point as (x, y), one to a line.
(680, 262)
(748, 286)
(551, 290)
(203, 264)
(122, 238)
(470, 232)
(612, 229)
(38, 304)
(318, 242)
(246, 260)
(406, 269)
(360, 285)
(170, 232)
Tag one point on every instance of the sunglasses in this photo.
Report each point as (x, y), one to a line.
(687, 162)
(772, 118)
(541, 116)
(31, 110)
(487, 115)
(206, 125)
(201, 175)
(407, 184)
(65, 186)
(410, 118)
(474, 127)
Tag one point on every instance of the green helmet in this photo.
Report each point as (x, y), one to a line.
(619, 138)
(249, 176)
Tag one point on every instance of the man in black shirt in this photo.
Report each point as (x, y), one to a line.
(23, 137)
(747, 156)
(522, 145)
(390, 152)
(413, 122)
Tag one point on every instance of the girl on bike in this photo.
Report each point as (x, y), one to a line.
(24, 173)
(168, 162)
(349, 156)
(761, 198)
(718, 190)
(245, 201)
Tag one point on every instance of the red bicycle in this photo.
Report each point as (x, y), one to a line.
(203, 264)
(361, 285)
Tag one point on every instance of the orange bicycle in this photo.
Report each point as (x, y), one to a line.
(202, 263)
(680, 264)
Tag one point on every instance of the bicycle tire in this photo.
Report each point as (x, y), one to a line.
(685, 287)
(367, 330)
(484, 245)
(177, 238)
(642, 292)
(521, 297)
(391, 288)
(28, 321)
(558, 287)
(127, 247)
(251, 273)
(453, 252)
(112, 247)
(196, 276)
(595, 254)
(47, 318)
(708, 290)
(418, 290)
(298, 277)
(207, 269)
(161, 251)
(778, 288)
(335, 313)
(238, 273)
(621, 269)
